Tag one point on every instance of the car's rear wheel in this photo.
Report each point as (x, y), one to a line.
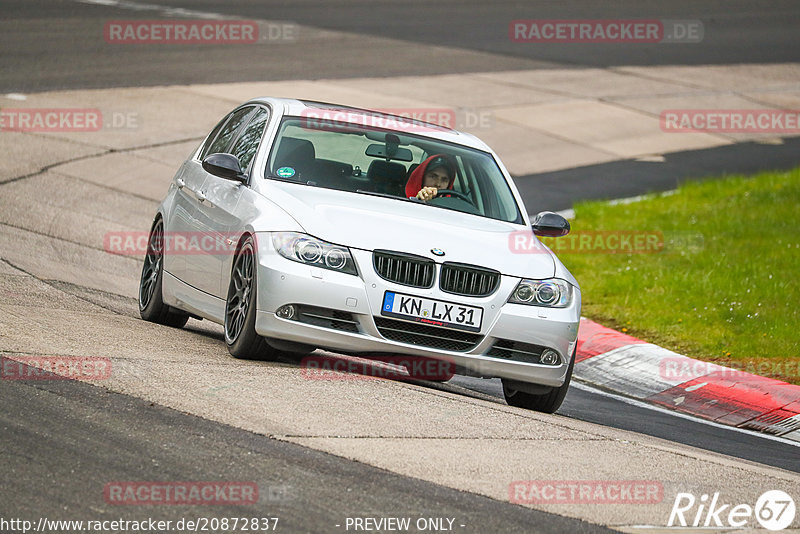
(240, 308)
(151, 305)
(547, 402)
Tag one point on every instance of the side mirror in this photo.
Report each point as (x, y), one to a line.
(549, 224)
(225, 166)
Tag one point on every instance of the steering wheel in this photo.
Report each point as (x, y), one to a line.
(452, 192)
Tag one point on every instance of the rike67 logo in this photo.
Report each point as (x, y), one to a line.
(774, 510)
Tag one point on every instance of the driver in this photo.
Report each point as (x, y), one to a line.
(435, 173)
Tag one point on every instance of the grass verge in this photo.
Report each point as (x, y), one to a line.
(710, 271)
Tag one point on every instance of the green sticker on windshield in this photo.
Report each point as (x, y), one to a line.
(285, 172)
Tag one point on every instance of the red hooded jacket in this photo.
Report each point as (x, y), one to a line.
(414, 183)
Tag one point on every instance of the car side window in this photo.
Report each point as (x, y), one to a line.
(228, 132)
(247, 143)
(212, 136)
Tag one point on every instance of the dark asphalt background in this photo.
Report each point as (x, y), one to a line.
(51, 44)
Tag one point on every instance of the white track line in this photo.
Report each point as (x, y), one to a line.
(166, 10)
(640, 404)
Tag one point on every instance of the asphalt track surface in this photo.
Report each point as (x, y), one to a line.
(62, 442)
(559, 190)
(50, 44)
(67, 432)
(589, 404)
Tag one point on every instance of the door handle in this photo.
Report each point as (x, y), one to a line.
(181, 183)
(201, 196)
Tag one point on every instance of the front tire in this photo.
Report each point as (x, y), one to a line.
(546, 402)
(151, 305)
(240, 308)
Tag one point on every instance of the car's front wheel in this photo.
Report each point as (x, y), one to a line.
(151, 305)
(547, 402)
(240, 308)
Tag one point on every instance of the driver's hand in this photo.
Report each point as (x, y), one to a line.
(427, 193)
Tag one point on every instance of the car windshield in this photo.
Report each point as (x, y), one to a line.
(366, 160)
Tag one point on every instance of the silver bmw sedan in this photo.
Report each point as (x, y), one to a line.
(301, 225)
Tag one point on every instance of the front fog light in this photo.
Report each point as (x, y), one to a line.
(286, 312)
(549, 357)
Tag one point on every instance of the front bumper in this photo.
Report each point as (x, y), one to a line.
(281, 281)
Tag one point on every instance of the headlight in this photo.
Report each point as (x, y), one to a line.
(303, 248)
(552, 293)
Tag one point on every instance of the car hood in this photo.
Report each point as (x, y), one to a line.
(370, 222)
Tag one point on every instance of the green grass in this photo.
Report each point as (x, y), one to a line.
(723, 288)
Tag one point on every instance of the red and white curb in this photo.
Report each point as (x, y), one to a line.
(634, 368)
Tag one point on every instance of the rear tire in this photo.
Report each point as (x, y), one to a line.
(240, 308)
(546, 402)
(151, 305)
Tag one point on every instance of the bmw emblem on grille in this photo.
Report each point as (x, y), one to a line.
(437, 251)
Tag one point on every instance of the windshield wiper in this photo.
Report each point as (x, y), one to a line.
(384, 195)
(289, 180)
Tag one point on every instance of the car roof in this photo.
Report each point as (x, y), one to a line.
(389, 121)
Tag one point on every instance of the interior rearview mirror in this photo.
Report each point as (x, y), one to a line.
(381, 151)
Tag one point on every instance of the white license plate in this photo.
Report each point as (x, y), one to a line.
(432, 312)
